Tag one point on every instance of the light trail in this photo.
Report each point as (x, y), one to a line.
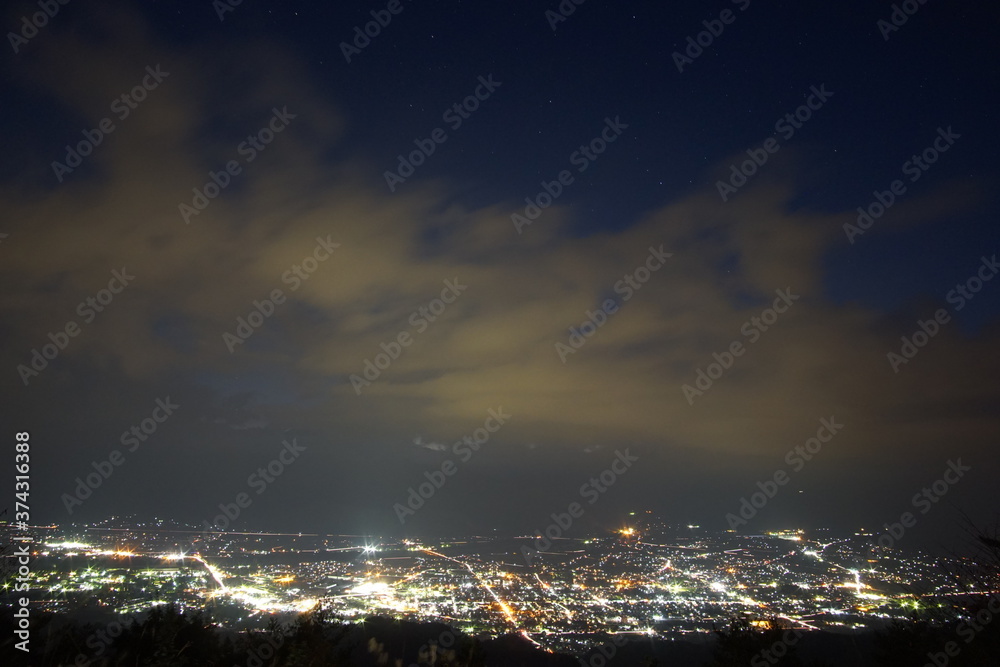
(800, 622)
(216, 574)
(548, 591)
(508, 612)
(209, 532)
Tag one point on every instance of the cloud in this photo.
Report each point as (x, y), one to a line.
(495, 345)
(433, 446)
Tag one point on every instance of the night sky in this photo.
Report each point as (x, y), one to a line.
(185, 165)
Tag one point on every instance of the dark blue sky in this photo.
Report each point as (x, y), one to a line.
(890, 97)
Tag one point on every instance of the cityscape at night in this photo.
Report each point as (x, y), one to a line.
(645, 580)
(443, 333)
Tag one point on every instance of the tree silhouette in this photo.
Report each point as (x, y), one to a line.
(744, 644)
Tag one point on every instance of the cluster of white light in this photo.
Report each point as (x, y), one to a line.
(371, 588)
(113, 553)
(261, 600)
